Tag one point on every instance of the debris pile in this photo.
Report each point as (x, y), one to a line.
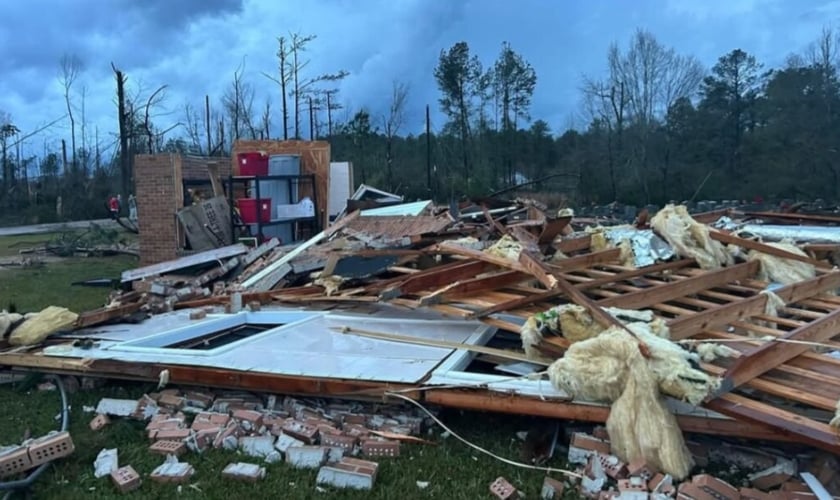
(342, 440)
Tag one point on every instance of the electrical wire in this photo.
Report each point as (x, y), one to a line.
(479, 448)
(65, 422)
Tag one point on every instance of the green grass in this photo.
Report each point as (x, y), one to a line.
(453, 470)
(33, 288)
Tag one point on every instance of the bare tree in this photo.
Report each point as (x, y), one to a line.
(193, 127)
(283, 54)
(70, 65)
(155, 99)
(391, 124)
(265, 121)
(124, 128)
(238, 101)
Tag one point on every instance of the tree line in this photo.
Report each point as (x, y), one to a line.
(656, 126)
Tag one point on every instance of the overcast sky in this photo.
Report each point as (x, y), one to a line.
(194, 47)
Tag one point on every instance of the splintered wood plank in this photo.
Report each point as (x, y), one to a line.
(570, 245)
(103, 314)
(772, 354)
(805, 430)
(580, 262)
(452, 248)
(539, 270)
(436, 277)
(687, 326)
(475, 285)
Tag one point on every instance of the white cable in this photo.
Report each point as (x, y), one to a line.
(479, 448)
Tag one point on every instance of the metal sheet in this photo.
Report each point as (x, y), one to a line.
(311, 348)
(648, 248)
(405, 209)
(778, 232)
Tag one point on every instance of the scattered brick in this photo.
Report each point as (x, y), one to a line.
(716, 487)
(14, 460)
(260, 446)
(339, 441)
(99, 421)
(377, 448)
(300, 431)
(662, 483)
(198, 399)
(352, 418)
(50, 447)
(349, 473)
(126, 479)
(582, 446)
(172, 401)
(552, 489)
(285, 441)
(244, 472)
(176, 448)
(641, 468)
(172, 434)
(690, 491)
(503, 489)
(612, 466)
(203, 425)
(600, 432)
(356, 430)
(633, 484)
(249, 419)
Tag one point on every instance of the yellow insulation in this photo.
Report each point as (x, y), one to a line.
(689, 238)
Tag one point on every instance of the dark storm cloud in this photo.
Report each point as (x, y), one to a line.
(194, 46)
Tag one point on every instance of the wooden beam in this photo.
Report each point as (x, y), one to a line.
(569, 245)
(788, 424)
(663, 293)
(584, 261)
(184, 262)
(454, 249)
(560, 409)
(103, 314)
(770, 355)
(686, 326)
(550, 294)
(535, 267)
(730, 239)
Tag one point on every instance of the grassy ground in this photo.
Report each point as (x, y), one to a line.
(31, 289)
(453, 470)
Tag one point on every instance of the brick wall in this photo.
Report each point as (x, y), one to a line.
(158, 188)
(158, 181)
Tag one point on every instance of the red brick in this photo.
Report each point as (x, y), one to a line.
(660, 483)
(352, 418)
(339, 441)
(99, 421)
(714, 486)
(612, 466)
(126, 479)
(632, 484)
(377, 448)
(600, 432)
(754, 494)
(690, 491)
(641, 468)
(172, 434)
(503, 489)
(357, 430)
(254, 418)
(202, 425)
(176, 448)
(300, 431)
(587, 442)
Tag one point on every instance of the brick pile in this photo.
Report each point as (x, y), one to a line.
(773, 476)
(34, 452)
(341, 441)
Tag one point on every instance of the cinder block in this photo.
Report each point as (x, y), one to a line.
(14, 461)
(503, 489)
(99, 421)
(50, 447)
(126, 479)
(164, 448)
(244, 472)
(378, 448)
(306, 457)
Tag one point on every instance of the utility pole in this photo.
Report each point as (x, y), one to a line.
(207, 123)
(311, 121)
(428, 153)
